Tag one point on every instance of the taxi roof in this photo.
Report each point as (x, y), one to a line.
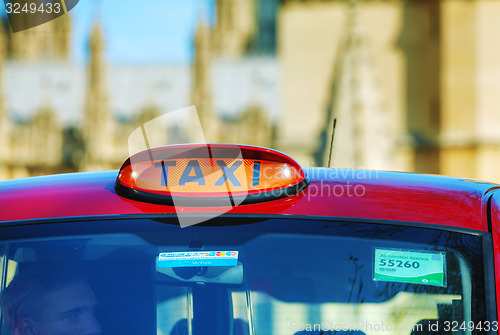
(332, 192)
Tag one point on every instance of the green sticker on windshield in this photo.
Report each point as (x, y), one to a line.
(409, 266)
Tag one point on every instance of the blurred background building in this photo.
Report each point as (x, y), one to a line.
(414, 86)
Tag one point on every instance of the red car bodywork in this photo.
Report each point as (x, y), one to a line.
(394, 196)
(340, 193)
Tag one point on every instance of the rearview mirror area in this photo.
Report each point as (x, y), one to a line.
(223, 275)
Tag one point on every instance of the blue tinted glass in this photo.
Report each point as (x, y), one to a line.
(241, 276)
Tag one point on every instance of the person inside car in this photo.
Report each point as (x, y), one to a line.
(49, 300)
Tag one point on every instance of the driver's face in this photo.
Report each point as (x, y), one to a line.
(69, 311)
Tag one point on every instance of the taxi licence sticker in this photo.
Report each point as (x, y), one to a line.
(197, 258)
(410, 266)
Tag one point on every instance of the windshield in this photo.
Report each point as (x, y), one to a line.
(246, 276)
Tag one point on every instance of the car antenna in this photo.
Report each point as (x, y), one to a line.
(331, 143)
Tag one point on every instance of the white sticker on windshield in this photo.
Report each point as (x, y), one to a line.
(197, 258)
(410, 266)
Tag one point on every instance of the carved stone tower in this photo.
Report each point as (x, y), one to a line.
(4, 116)
(202, 83)
(97, 124)
(362, 137)
(235, 26)
(49, 41)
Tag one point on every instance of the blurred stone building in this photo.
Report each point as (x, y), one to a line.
(33, 144)
(233, 42)
(412, 84)
(57, 116)
(424, 74)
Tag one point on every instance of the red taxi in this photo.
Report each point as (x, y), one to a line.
(232, 239)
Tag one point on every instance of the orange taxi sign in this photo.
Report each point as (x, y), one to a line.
(210, 171)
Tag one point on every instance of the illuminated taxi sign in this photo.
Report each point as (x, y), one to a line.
(208, 173)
